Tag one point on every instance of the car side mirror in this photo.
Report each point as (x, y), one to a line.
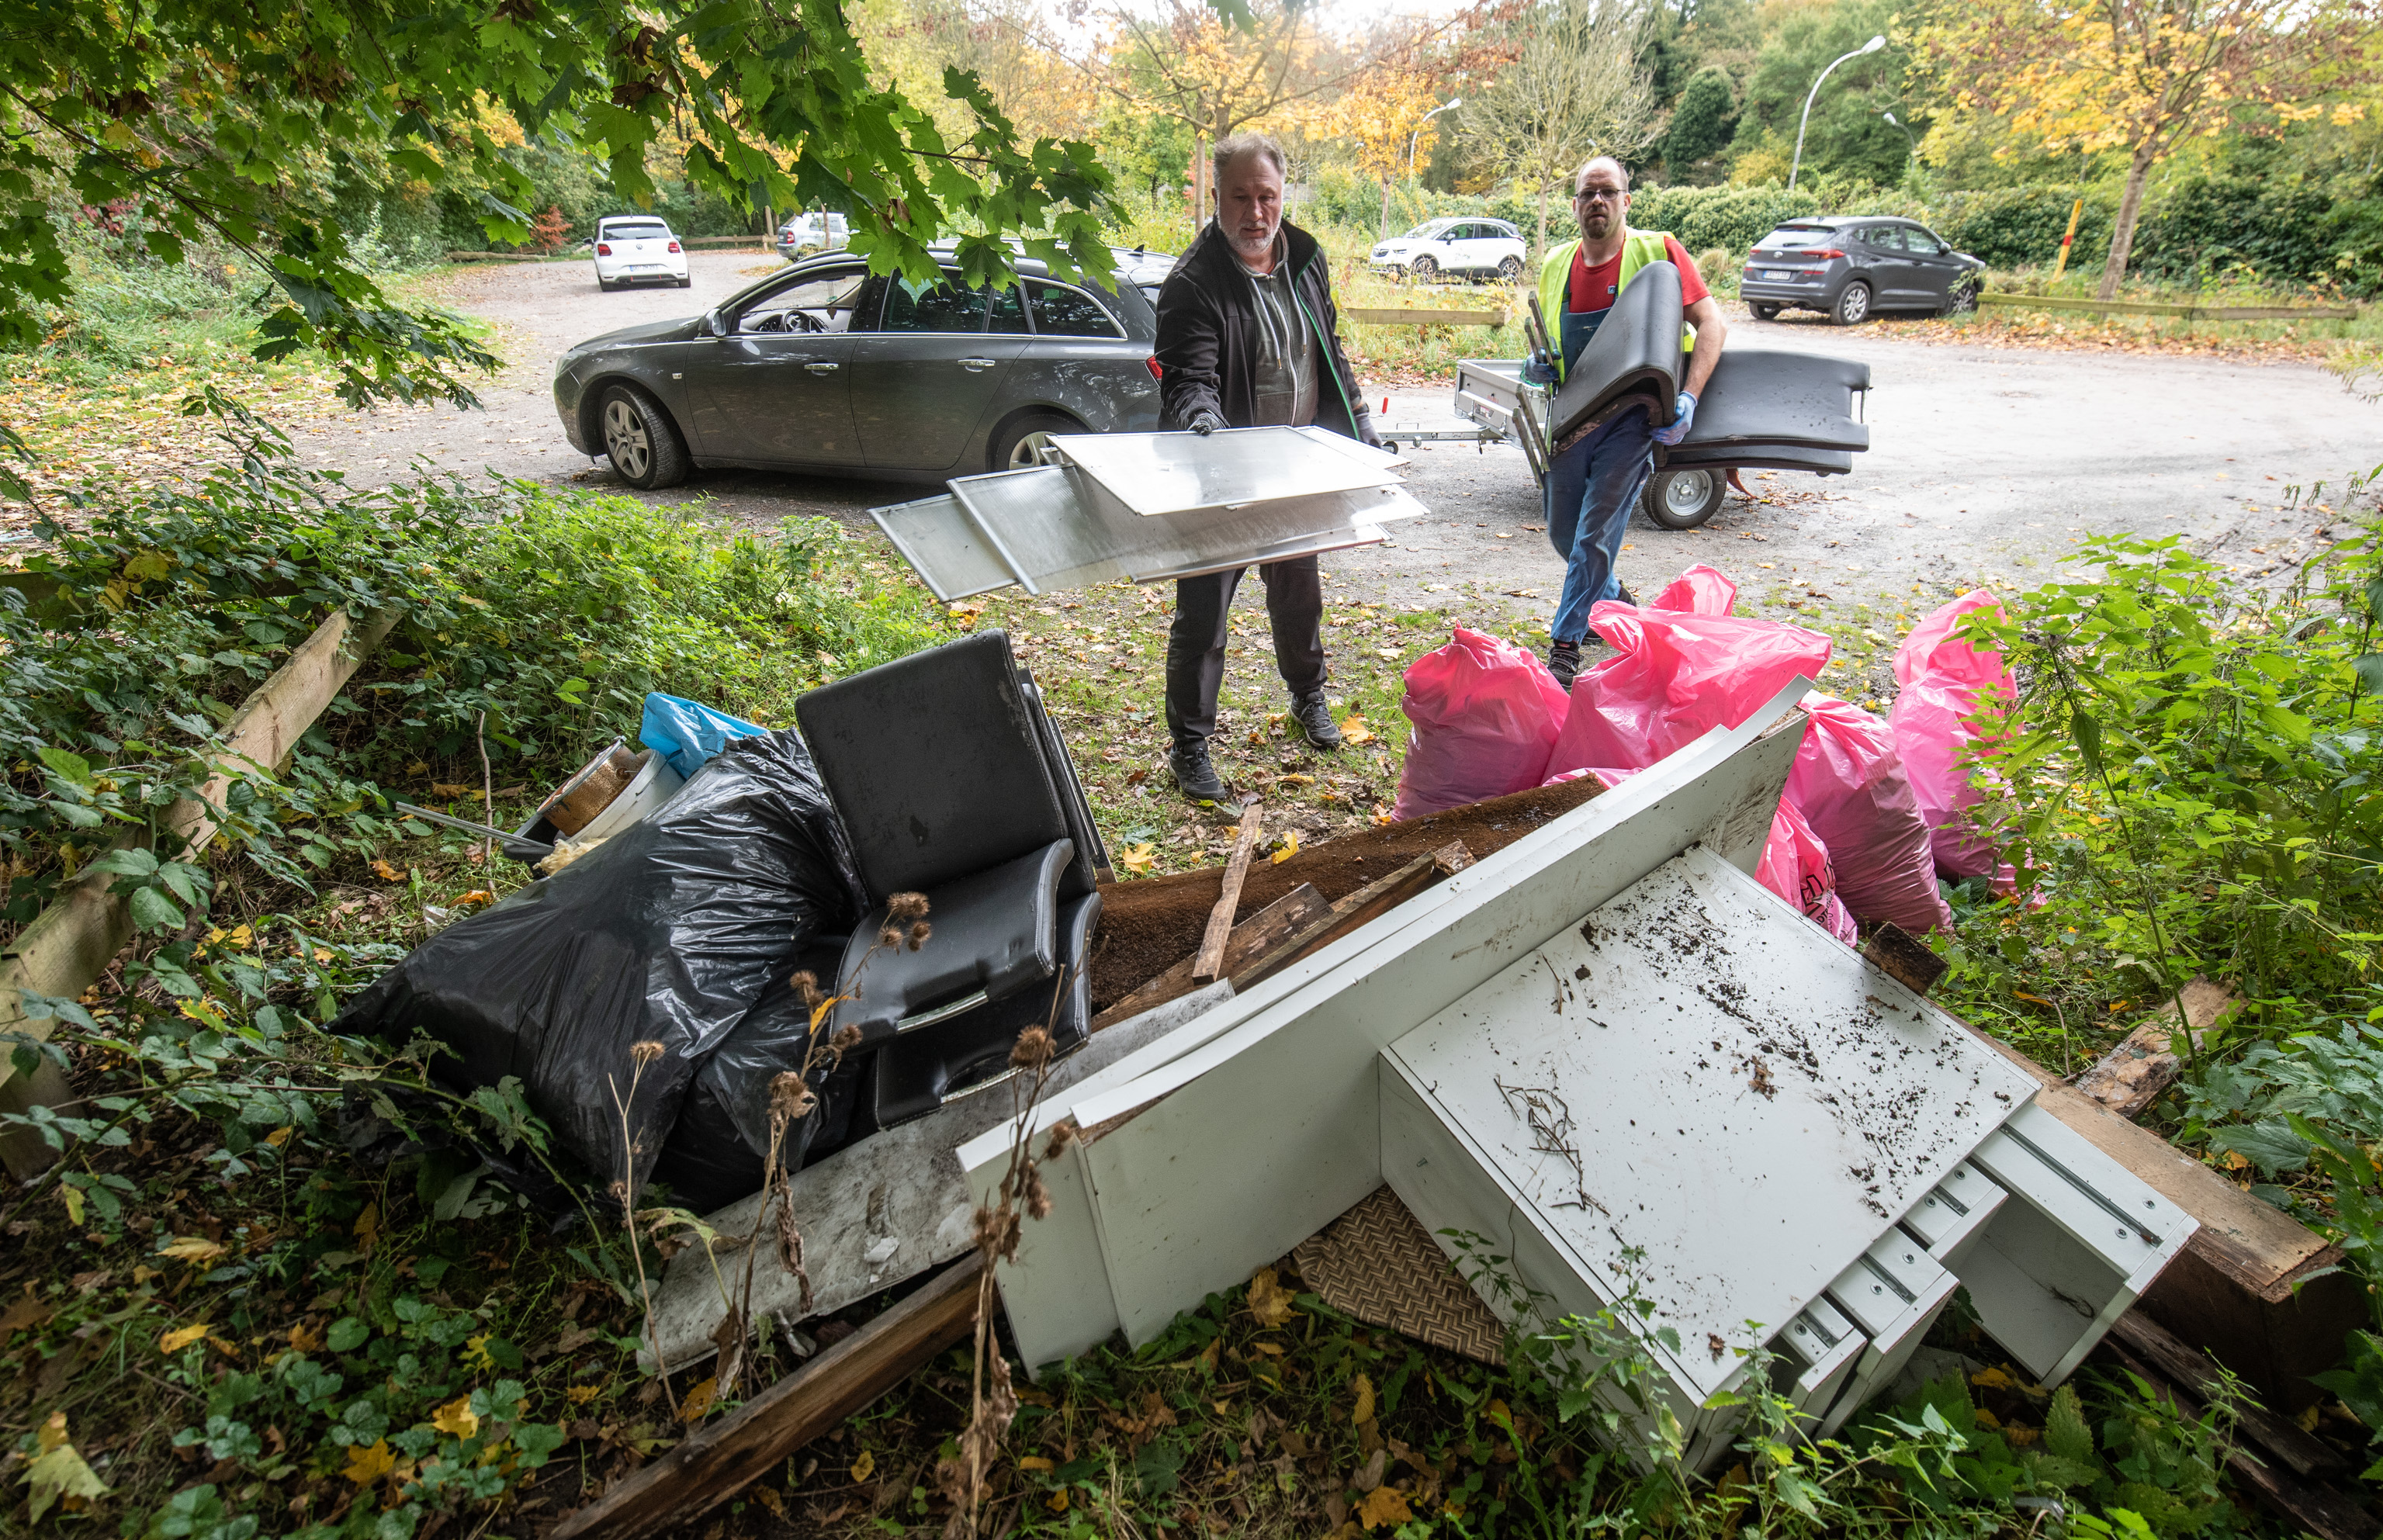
(715, 323)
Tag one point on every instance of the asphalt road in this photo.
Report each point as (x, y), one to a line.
(1987, 463)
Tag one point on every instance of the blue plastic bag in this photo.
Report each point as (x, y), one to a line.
(685, 734)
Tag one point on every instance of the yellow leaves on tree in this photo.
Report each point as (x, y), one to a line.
(2145, 76)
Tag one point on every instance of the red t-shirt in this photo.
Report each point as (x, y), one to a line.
(1594, 288)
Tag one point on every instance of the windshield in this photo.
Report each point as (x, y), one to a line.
(1427, 230)
(638, 231)
(1797, 238)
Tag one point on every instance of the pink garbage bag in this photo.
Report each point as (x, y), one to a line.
(1945, 682)
(1848, 782)
(1485, 712)
(1701, 590)
(1674, 677)
(1795, 865)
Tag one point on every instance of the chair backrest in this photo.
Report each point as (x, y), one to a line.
(939, 766)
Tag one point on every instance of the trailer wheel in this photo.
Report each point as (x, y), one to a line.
(1683, 499)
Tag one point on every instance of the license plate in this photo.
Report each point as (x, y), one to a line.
(1776, 275)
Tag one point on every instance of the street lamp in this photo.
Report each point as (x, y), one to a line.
(1872, 47)
(1908, 140)
(1416, 137)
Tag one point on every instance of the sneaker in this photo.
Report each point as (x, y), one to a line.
(1564, 662)
(1622, 593)
(1193, 773)
(1315, 719)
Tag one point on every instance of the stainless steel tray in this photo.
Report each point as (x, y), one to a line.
(1179, 473)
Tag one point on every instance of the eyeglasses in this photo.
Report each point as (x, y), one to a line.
(1600, 194)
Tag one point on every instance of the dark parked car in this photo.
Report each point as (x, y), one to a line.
(1846, 268)
(823, 367)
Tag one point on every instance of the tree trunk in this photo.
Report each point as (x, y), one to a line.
(2122, 234)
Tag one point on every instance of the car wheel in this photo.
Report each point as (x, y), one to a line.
(604, 286)
(1853, 305)
(1683, 499)
(1511, 269)
(1962, 298)
(1023, 445)
(1765, 311)
(1425, 269)
(641, 441)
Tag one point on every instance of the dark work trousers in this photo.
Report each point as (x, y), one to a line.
(1196, 643)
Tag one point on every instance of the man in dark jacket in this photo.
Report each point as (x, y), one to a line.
(1247, 338)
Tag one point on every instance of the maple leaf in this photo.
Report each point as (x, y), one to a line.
(1290, 848)
(1138, 858)
(368, 1462)
(476, 1354)
(580, 1395)
(1269, 1302)
(457, 1418)
(181, 1336)
(1384, 1505)
(1354, 731)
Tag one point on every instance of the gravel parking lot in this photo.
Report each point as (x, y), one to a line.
(1987, 463)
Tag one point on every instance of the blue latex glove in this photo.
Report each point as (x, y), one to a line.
(1538, 370)
(1687, 410)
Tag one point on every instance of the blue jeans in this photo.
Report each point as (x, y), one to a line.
(1591, 490)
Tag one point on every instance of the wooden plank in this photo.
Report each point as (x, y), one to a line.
(715, 1463)
(2131, 1076)
(2306, 1454)
(1417, 317)
(70, 944)
(1357, 908)
(2187, 311)
(1210, 961)
(1251, 939)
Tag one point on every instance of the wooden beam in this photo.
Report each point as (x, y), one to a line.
(2155, 1345)
(1210, 961)
(70, 944)
(714, 1464)
(2187, 311)
(1251, 939)
(2131, 1076)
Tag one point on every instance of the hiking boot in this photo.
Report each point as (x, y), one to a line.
(1622, 593)
(1197, 776)
(1564, 662)
(1315, 719)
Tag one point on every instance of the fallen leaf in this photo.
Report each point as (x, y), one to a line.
(25, 1311)
(1354, 731)
(768, 1498)
(457, 1418)
(386, 872)
(190, 1249)
(366, 1228)
(1138, 858)
(304, 1340)
(864, 1466)
(1290, 848)
(181, 1336)
(1365, 1411)
(476, 897)
(1034, 1463)
(368, 1463)
(1269, 1302)
(1990, 1379)
(445, 788)
(1369, 1475)
(280, 1135)
(1058, 1501)
(698, 1402)
(580, 1395)
(1294, 781)
(58, 1473)
(1384, 1505)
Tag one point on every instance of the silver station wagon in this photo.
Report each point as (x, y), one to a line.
(823, 367)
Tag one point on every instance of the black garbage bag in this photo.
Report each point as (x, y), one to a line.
(669, 932)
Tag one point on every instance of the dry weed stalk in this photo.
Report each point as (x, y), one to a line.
(624, 1191)
(992, 1402)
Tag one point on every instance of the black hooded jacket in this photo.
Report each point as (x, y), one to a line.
(1208, 335)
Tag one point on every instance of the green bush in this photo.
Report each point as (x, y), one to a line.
(2020, 227)
(1732, 218)
(2289, 230)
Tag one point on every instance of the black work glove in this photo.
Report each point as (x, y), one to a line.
(1205, 423)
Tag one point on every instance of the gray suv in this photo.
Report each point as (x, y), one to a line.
(1846, 268)
(825, 367)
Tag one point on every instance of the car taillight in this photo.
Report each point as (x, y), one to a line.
(673, 245)
(1826, 253)
(602, 250)
(1153, 365)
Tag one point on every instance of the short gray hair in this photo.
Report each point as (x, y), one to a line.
(1593, 162)
(1233, 146)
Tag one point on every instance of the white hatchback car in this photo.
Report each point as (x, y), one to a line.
(637, 248)
(1471, 247)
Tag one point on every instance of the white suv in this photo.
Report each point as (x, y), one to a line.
(1475, 248)
(637, 248)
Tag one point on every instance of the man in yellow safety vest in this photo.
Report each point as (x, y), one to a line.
(1592, 485)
